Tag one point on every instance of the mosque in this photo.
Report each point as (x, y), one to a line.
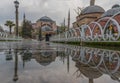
(44, 27)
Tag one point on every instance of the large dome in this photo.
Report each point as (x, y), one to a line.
(45, 19)
(92, 9)
(115, 9)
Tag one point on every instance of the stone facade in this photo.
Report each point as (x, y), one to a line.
(86, 19)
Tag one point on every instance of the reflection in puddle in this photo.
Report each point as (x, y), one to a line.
(34, 62)
(93, 62)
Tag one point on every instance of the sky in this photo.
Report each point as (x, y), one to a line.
(55, 9)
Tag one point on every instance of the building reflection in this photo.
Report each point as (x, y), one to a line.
(90, 62)
(9, 55)
(45, 57)
(62, 56)
(93, 62)
(68, 63)
(88, 72)
(26, 55)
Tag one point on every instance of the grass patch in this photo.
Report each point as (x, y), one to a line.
(102, 45)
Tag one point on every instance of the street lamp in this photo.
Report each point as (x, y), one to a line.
(16, 12)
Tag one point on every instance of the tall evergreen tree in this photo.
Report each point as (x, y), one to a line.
(26, 28)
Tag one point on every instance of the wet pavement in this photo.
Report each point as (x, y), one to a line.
(35, 62)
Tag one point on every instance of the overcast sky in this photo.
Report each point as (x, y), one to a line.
(55, 9)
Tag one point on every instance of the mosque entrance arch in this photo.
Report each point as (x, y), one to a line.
(46, 32)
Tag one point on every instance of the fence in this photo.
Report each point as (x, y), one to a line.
(104, 29)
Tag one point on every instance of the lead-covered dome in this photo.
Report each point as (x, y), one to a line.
(115, 6)
(92, 9)
(45, 19)
(115, 9)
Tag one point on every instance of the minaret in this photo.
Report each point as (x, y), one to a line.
(68, 63)
(24, 17)
(92, 2)
(64, 25)
(64, 22)
(68, 19)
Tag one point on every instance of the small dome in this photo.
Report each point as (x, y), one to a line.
(115, 6)
(46, 28)
(115, 9)
(45, 19)
(92, 9)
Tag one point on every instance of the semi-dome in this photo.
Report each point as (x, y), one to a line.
(45, 19)
(115, 9)
(92, 9)
(46, 28)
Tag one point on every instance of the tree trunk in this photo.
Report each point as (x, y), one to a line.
(10, 30)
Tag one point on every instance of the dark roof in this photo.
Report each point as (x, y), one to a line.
(115, 6)
(92, 9)
(45, 19)
(115, 9)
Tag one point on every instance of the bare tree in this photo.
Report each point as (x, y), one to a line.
(78, 10)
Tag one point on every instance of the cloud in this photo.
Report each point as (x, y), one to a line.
(55, 9)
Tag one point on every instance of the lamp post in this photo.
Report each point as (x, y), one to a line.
(16, 12)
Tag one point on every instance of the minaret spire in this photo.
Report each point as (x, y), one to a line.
(24, 17)
(92, 2)
(68, 19)
(64, 22)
